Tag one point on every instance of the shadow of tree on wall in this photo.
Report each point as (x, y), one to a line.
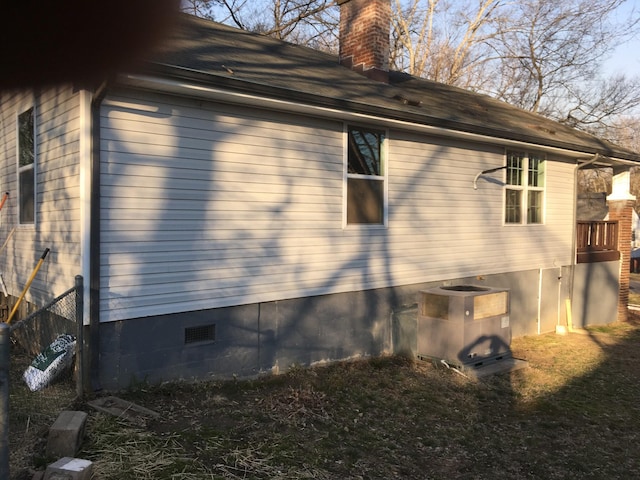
(245, 237)
(206, 206)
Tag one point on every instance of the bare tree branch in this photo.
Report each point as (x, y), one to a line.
(551, 50)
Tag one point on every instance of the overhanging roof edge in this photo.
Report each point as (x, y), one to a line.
(198, 82)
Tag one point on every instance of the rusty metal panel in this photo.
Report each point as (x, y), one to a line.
(490, 305)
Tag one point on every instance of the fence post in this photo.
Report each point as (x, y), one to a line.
(79, 292)
(5, 359)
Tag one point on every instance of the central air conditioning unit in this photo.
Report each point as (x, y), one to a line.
(465, 325)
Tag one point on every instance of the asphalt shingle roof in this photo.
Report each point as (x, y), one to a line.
(220, 55)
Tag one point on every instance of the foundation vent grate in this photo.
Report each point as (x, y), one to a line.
(202, 333)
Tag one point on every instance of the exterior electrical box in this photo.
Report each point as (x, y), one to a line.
(464, 324)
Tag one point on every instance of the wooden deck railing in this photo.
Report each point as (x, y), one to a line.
(597, 241)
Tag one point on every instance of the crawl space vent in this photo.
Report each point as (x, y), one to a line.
(203, 333)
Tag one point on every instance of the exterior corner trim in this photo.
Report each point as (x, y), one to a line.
(94, 238)
(85, 195)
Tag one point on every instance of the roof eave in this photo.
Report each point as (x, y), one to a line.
(610, 157)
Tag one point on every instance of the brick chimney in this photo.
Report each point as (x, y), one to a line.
(364, 37)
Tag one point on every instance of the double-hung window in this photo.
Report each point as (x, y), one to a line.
(365, 176)
(26, 167)
(524, 188)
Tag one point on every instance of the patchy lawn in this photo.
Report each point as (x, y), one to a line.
(573, 414)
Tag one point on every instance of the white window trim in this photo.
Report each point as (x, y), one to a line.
(524, 188)
(30, 103)
(384, 158)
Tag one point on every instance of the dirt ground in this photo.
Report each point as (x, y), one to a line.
(572, 414)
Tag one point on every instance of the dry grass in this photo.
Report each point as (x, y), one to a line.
(573, 414)
(31, 414)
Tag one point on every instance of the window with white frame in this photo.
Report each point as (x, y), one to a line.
(26, 166)
(524, 188)
(366, 189)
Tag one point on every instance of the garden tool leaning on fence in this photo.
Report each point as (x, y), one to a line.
(2, 202)
(26, 287)
(4, 199)
(2, 284)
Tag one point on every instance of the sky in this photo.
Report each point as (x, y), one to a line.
(626, 58)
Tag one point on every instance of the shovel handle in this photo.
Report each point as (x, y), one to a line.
(26, 287)
(4, 199)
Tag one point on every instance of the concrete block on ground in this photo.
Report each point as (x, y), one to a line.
(69, 469)
(66, 434)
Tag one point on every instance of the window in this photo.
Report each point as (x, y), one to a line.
(366, 193)
(26, 167)
(524, 190)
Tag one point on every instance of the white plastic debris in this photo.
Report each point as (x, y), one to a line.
(50, 363)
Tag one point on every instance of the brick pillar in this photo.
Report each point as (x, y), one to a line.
(621, 204)
(622, 211)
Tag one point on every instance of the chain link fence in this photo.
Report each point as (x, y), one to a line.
(31, 413)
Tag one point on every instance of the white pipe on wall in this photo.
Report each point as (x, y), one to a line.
(539, 299)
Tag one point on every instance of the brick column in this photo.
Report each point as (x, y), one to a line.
(621, 204)
(622, 211)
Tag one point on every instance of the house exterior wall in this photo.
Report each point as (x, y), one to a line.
(222, 215)
(57, 211)
(225, 216)
(208, 206)
(446, 229)
(205, 208)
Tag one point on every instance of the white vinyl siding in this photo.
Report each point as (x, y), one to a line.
(206, 205)
(56, 200)
(197, 200)
(442, 228)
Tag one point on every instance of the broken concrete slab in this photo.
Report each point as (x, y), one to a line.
(123, 409)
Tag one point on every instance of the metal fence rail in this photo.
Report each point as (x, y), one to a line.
(30, 414)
